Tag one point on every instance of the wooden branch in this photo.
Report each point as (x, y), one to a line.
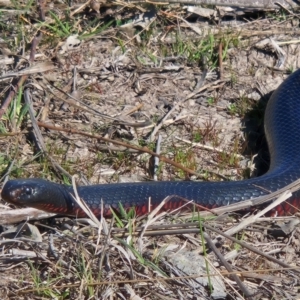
(22, 214)
(262, 4)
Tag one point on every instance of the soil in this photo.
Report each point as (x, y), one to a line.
(158, 73)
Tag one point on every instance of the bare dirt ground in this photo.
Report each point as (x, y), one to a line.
(133, 72)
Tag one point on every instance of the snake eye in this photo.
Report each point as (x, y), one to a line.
(28, 191)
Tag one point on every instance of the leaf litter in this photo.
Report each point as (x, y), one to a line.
(127, 82)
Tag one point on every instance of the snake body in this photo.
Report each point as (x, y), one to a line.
(282, 129)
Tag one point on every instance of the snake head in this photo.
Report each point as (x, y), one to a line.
(36, 193)
(20, 192)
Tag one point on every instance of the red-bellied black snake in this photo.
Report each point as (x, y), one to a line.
(282, 128)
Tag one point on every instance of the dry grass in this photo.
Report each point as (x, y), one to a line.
(127, 83)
